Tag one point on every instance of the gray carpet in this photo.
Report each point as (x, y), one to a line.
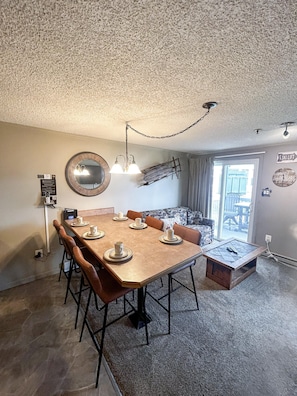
(241, 341)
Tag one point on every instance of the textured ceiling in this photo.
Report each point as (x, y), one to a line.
(86, 67)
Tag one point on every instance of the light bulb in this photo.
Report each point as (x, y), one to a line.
(133, 169)
(116, 168)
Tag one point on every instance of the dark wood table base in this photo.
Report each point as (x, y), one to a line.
(226, 276)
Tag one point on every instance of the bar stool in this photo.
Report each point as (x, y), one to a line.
(133, 215)
(57, 226)
(189, 235)
(108, 290)
(69, 244)
(153, 222)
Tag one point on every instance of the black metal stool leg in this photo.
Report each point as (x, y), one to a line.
(68, 279)
(101, 344)
(169, 301)
(78, 301)
(194, 288)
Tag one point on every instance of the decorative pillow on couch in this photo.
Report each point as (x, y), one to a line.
(180, 213)
(194, 217)
(168, 223)
(157, 213)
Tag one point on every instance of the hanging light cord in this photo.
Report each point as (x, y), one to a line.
(208, 106)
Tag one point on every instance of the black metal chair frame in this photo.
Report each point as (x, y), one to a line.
(73, 266)
(102, 329)
(171, 278)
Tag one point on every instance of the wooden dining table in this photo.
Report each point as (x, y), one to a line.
(151, 258)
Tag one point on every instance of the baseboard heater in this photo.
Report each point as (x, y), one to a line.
(286, 260)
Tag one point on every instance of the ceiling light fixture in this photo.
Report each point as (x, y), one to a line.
(129, 165)
(286, 132)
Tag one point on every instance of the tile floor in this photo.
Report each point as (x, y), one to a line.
(39, 349)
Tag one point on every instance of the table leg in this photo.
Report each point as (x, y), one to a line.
(139, 317)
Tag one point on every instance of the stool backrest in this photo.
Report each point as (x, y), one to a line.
(57, 226)
(133, 215)
(153, 222)
(89, 271)
(187, 234)
(68, 241)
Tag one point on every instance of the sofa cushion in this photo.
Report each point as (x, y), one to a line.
(157, 213)
(194, 217)
(206, 233)
(180, 213)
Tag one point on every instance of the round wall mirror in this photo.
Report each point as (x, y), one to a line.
(87, 174)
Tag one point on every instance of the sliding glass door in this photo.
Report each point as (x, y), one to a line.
(234, 186)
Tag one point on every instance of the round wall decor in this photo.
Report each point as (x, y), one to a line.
(87, 174)
(284, 177)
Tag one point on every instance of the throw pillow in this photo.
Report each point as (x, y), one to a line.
(168, 223)
(178, 219)
(194, 217)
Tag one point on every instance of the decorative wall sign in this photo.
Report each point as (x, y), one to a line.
(287, 157)
(284, 177)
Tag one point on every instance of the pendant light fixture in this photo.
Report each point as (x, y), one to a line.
(128, 165)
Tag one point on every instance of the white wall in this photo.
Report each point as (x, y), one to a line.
(26, 152)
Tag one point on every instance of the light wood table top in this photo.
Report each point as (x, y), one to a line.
(151, 258)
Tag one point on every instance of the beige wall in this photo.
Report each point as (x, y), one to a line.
(26, 152)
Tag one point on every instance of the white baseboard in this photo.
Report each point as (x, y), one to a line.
(286, 260)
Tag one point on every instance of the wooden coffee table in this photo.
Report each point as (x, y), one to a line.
(228, 268)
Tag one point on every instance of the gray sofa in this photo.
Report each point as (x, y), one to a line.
(187, 217)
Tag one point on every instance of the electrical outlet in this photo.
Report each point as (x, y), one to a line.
(38, 253)
(267, 238)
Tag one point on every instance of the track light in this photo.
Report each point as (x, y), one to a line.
(286, 133)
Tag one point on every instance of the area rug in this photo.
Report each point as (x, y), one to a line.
(240, 342)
